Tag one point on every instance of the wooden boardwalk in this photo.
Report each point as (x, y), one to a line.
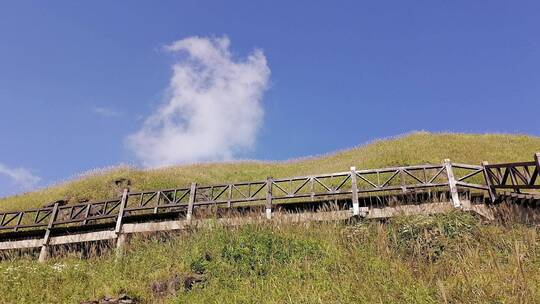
(371, 193)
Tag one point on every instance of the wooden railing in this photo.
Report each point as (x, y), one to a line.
(512, 176)
(272, 192)
(268, 193)
(93, 221)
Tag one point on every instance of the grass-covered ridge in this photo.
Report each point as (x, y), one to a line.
(415, 148)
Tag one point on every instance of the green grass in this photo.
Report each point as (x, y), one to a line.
(415, 148)
(451, 258)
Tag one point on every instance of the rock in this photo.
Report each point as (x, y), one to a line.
(122, 299)
(125, 299)
(61, 202)
(191, 279)
(171, 285)
(108, 300)
(82, 201)
(122, 182)
(159, 289)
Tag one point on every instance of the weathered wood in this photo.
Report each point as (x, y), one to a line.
(121, 241)
(269, 183)
(330, 186)
(522, 175)
(354, 192)
(511, 171)
(473, 186)
(402, 180)
(86, 214)
(94, 211)
(18, 222)
(537, 162)
(44, 253)
(83, 237)
(505, 165)
(120, 216)
(120, 237)
(521, 196)
(466, 166)
(130, 228)
(22, 244)
(392, 169)
(452, 183)
(517, 188)
(515, 176)
(489, 182)
(192, 193)
(158, 200)
(312, 189)
(229, 196)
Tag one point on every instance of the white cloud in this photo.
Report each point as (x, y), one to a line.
(105, 112)
(213, 108)
(21, 177)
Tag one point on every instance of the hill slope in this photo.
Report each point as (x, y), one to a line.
(415, 148)
(450, 258)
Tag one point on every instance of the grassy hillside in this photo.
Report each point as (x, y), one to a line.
(450, 258)
(416, 148)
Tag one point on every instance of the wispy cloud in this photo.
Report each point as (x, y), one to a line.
(105, 112)
(22, 178)
(213, 109)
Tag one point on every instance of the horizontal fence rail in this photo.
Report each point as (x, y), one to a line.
(271, 192)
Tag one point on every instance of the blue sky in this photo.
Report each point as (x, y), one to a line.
(78, 80)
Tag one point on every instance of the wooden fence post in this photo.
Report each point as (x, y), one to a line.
(452, 183)
(44, 253)
(312, 188)
(354, 190)
(537, 161)
(402, 179)
(120, 216)
(269, 182)
(192, 192)
(121, 241)
(120, 237)
(489, 183)
(229, 196)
